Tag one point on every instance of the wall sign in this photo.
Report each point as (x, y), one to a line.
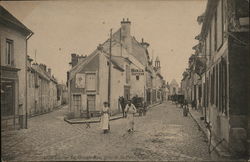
(80, 80)
(137, 72)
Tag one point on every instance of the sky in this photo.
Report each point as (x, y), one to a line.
(78, 26)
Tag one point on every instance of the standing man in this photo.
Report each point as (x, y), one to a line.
(105, 118)
(130, 111)
(122, 104)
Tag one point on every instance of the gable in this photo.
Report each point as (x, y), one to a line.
(92, 65)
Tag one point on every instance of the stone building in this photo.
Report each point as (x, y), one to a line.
(174, 87)
(42, 89)
(88, 78)
(62, 94)
(224, 43)
(13, 40)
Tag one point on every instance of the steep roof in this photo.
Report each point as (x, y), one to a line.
(43, 73)
(40, 72)
(139, 51)
(6, 18)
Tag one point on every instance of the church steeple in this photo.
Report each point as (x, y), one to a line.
(157, 63)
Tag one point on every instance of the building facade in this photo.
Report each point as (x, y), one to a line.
(129, 74)
(13, 40)
(224, 43)
(43, 89)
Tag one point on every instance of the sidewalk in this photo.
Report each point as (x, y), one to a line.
(46, 112)
(201, 124)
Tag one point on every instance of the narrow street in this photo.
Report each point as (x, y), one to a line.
(163, 134)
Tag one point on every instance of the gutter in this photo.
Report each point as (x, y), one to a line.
(26, 82)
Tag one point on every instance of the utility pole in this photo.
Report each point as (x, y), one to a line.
(35, 55)
(109, 78)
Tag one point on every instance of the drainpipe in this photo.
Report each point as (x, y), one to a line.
(26, 82)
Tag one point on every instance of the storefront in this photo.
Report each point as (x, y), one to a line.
(9, 98)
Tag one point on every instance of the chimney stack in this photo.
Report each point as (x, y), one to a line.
(43, 66)
(74, 59)
(49, 71)
(125, 28)
(125, 34)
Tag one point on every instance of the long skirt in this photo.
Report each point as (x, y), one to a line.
(105, 121)
(130, 119)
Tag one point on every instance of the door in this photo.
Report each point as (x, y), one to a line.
(91, 103)
(7, 98)
(126, 93)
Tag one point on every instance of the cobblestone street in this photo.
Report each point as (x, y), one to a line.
(164, 134)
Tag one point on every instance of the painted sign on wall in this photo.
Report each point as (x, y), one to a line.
(80, 80)
(137, 71)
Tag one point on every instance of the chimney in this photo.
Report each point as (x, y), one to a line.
(125, 34)
(74, 60)
(43, 66)
(49, 71)
(144, 44)
(125, 28)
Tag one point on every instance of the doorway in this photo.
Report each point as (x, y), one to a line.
(7, 98)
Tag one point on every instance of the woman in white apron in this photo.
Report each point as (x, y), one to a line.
(105, 118)
(130, 112)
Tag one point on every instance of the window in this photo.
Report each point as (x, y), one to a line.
(208, 45)
(215, 31)
(91, 82)
(137, 77)
(224, 80)
(212, 35)
(219, 24)
(127, 74)
(77, 101)
(217, 85)
(220, 87)
(9, 52)
(212, 86)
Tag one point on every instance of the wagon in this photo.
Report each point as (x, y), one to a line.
(139, 104)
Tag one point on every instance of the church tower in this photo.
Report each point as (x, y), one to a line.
(158, 64)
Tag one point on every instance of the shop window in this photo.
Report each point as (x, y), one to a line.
(7, 98)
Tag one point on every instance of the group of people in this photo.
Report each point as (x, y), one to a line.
(128, 111)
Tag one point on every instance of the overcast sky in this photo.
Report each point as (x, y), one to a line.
(65, 27)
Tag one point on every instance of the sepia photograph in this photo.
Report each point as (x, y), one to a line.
(125, 80)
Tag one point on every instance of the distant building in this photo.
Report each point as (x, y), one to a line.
(13, 78)
(42, 89)
(62, 94)
(174, 87)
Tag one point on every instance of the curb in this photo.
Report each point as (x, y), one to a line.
(97, 121)
(93, 121)
(200, 127)
(217, 149)
(47, 112)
